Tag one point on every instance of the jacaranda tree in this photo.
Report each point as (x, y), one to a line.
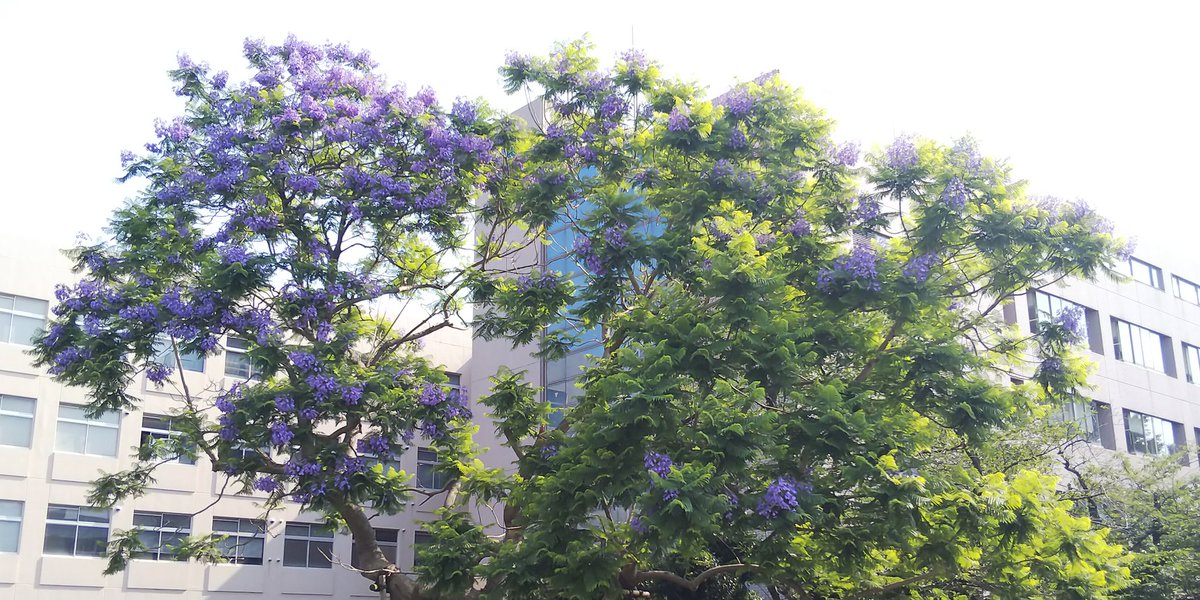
(801, 357)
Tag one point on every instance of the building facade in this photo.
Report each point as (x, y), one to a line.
(50, 540)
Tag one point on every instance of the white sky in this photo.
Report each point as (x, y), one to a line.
(1091, 100)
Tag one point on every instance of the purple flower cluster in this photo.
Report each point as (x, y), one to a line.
(860, 265)
(591, 261)
(1071, 320)
(285, 404)
(800, 226)
(868, 209)
(637, 525)
(634, 60)
(902, 154)
(323, 386)
(309, 414)
(657, 462)
(298, 467)
(918, 267)
(157, 374)
(738, 102)
(373, 444)
(965, 154)
(69, 358)
(615, 236)
(954, 195)
(305, 361)
(280, 434)
(544, 281)
(846, 154)
(432, 395)
(678, 121)
(266, 483)
(1051, 367)
(781, 496)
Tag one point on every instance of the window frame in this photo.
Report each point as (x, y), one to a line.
(248, 530)
(1144, 419)
(1191, 363)
(160, 551)
(6, 331)
(421, 538)
(19, 519)
(1154, 273)
(308, 539)
(428, 475)
(164, 356)
(158, 433)
(89, 424)
(254, 372)
(1127, 352)
(1178, 283)
(77, 523)
(13, 414)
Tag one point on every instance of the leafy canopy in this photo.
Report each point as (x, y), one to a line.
(799, 351)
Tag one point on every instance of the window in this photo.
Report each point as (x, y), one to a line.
(1145, 434)
(157, 427)
(243, 542)
(1191, 363)
(238, 362)
(1138, 345)
(1186, 290)
(10, 524)
(81, 435)
(421, 539)
(75, 530)
(161, 532)
(1146, 273)
(428, 476)
(307, 545)
(21, 318)
(1083, 416)
(16, 421)
(389, 462)
(165, 355)
(389, 543)
(1049, 306)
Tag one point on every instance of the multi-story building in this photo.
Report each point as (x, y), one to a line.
(1144, 336)
(50, 540)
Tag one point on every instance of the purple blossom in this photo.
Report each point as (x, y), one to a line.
(868, 209)
(549, 451)
(68, 358)
(613, 106)
(520, 62)
(465, 111)
(846, 154)
(431, 430)
(678, 121)
(352, 394)
(615, 236)
(737, 139)
(373, 444)
(902, 154)
(543, 281)
(780, 497)
(323, 386)
(141, 312)
(285, 404)
(1071, 320)
(722, 169)
(1126, 251)
(739, 102)
(965, 154)
(232, 254)
(432, 395)
(298, 467)
(657, 462)
(800, 226)
(305, 184)
(1051, 367)
(637, 525)
(309, 414)
(860, 265)
(634, 60)
(305, 361)
(266, 484)
(280, 434)
(954, 195)
(157, 373)
(670, 495)
(918, 267)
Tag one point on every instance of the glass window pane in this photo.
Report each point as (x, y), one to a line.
(6, 301)
(11, 509)
(71, 437)
(252, 550)
(92, 541)
(156, 422)
(226, 525)
(295, 553)
(386, 535)
(60, 539)
(93, 515)
(10, 535)
(296, 530)
(101, 441)
(25, 328)
(319, 554)
(5, 326)
(59, 512)
(237, 343)
(177, 522)
(151, 541)
(16, 431)
(17, 404)
(141, 519)
(70, 411)
(30, 305)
